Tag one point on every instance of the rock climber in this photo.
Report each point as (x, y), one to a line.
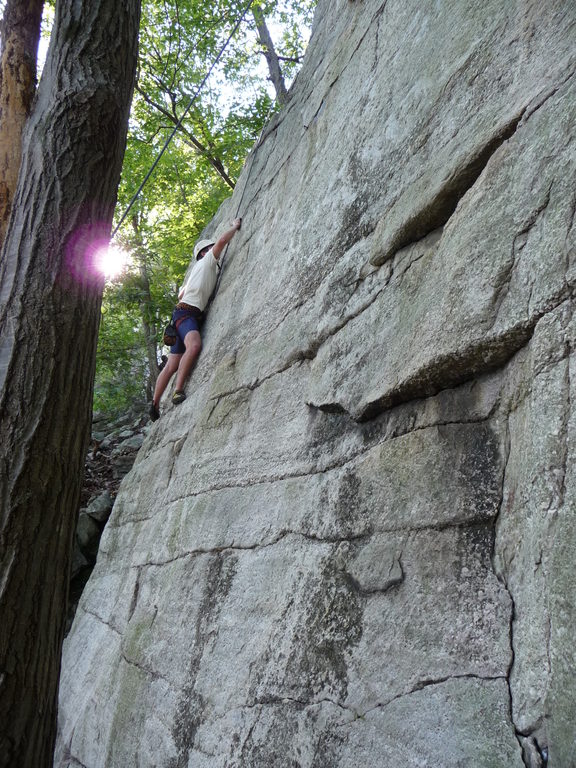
(188, 316)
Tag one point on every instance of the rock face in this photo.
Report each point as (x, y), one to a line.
(353, 544)
(112, 453)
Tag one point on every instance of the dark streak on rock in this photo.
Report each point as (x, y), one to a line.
(189, 713)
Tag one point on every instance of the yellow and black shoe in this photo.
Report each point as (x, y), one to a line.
(178, 397)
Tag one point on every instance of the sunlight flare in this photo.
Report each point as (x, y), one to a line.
(112, 260)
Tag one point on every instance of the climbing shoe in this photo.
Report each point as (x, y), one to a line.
(154, 412)
(178, 397)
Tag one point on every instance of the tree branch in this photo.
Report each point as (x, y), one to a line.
(20, 30)
(214, 161)
(272, 58)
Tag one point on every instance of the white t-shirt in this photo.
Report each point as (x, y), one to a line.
(201, 281)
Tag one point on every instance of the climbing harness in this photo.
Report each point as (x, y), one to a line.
(179, 123)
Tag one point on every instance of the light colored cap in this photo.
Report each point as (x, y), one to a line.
(200, 245)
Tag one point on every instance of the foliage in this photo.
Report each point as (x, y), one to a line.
(121, 366)
(180, 39)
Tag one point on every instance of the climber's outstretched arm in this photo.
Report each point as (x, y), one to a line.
(224, 239)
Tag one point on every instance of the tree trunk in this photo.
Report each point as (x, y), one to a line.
(150, 332)
(20, 36)
(271, 56)
(49, 314)
(147, 311)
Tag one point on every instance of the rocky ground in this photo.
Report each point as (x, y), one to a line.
(113, 448)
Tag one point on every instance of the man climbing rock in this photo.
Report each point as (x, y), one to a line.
(188, 315)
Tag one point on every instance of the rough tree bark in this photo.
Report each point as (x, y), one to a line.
(271, 56)
(20, 35)
(49, 314)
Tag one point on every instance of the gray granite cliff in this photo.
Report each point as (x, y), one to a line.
(353, 545)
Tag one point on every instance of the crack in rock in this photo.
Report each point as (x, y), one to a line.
(395, 579)
(151, 673)
(72, 761)
(426, 683)
(100, 619)
(399, 227)
(395, 433)
(451, 369)
(404, 224)
(502, 286)
(135, 593)
(502, 580)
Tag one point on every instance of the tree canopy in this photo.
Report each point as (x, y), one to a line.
(179, 41)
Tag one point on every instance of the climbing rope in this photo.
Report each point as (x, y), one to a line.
(238, 207)
(179, 123)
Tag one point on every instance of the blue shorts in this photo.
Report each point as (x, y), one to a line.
(184, 322)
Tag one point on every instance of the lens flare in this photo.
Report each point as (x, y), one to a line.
(111, 261)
